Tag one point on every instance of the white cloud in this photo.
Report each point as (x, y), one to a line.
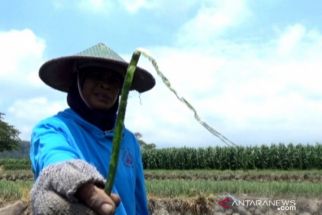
(212, 20)
(134, 5)
(255, 93)
(296, 40)
(290, 39)
(21, 53)
(24, 109)
(25, 113)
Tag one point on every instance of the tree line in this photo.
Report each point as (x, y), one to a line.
(9, 136)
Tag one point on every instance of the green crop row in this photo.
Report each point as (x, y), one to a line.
(275, 156)
(15, 164)
(189, 188)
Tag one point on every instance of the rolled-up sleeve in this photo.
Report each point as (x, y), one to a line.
(55, 188)
(59, 169)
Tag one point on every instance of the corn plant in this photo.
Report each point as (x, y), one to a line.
(279, 156)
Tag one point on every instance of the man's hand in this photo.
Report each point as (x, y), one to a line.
(97, 199)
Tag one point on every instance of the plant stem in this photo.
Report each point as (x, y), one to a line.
(117, 139)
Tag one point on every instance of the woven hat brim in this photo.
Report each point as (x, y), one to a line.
(59, 73)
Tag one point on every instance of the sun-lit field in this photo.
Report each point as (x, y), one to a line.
(190, 183)
(274, 179)
(258, 183)
(197, 191)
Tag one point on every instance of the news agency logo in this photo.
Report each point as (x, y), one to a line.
(291, 207)
(226, 203)
(279, 204)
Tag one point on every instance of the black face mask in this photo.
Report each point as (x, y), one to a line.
(103, 119)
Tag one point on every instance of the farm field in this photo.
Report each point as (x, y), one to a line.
(275, 179)
(200, 191)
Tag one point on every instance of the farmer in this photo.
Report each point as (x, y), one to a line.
(70, 151)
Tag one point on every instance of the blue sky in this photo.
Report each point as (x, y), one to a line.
(251, 68)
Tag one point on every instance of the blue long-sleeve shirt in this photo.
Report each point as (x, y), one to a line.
(66, 136)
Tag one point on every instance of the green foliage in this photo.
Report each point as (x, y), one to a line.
(9, 138)
(15, 164)
(22, 151)
(14, 190)
(188, 188)
(279, 156)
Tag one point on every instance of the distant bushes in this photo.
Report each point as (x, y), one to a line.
(275, 156)
(21, 152)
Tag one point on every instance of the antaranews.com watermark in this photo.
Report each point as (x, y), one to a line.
(278, 204)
